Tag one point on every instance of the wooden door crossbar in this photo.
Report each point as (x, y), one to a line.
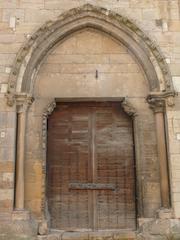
(92, 186)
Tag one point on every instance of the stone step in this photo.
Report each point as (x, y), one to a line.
(89, 236)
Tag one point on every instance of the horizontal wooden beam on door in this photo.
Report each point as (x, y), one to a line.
(91, 186)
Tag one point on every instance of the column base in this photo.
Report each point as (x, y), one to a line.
(159, 228)
(142, 221)
(165, 213)
(20, 215)
(23, 224)
(18, 225)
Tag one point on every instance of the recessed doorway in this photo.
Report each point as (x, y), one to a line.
(90, 167)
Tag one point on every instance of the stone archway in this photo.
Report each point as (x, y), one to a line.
(29, 59)
(121, 28)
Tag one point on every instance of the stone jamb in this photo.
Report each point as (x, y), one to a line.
(48, 110)
(133, 114)
(46, 113)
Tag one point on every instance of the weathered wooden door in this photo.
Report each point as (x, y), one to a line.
(90, 167)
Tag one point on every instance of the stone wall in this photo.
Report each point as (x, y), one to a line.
(90, 64)
(20, 18)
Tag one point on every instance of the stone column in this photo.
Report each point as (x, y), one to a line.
(158, 105)
(21, 218)
(22, 108)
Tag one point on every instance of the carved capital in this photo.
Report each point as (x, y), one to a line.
(159, 101)
(49, 109)
(158, 105)
(128, 108)
(21, 100)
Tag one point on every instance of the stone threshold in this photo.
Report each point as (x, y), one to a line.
(89, 235)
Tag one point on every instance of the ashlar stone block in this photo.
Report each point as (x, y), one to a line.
(17, 13)
(176, 82)
(8, 4)
(39, 16)
(6, 194)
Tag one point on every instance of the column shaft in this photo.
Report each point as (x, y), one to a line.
(19, 195)
(162, 154)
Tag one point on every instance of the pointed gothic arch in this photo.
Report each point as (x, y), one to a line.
(119, 27)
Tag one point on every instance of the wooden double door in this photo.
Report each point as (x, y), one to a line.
(90, 167)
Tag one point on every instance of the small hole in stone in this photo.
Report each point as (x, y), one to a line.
(96, 74)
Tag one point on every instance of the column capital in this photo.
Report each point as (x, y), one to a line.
(156, 104)
(21, 100)
(159, 100)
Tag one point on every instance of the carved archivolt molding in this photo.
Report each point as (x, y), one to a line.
(47, 111)
(52, 32)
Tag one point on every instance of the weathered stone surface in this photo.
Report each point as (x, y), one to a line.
(6, 154)
(87, 52)
(31, 4)
(39, 237)
(156, 229)
(18, 230)
(15, 237)
(165, 213)
(76, 236)
(6, 59)
(6, 194)
(18, 13)
(6, 206)
(40, 16)
(20, 215)
(69, 71)
(7, 166)
(9, 48)
(43, 228)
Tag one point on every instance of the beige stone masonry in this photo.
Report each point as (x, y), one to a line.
(68, 70)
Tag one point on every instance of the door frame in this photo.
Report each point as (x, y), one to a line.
(127, 107)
